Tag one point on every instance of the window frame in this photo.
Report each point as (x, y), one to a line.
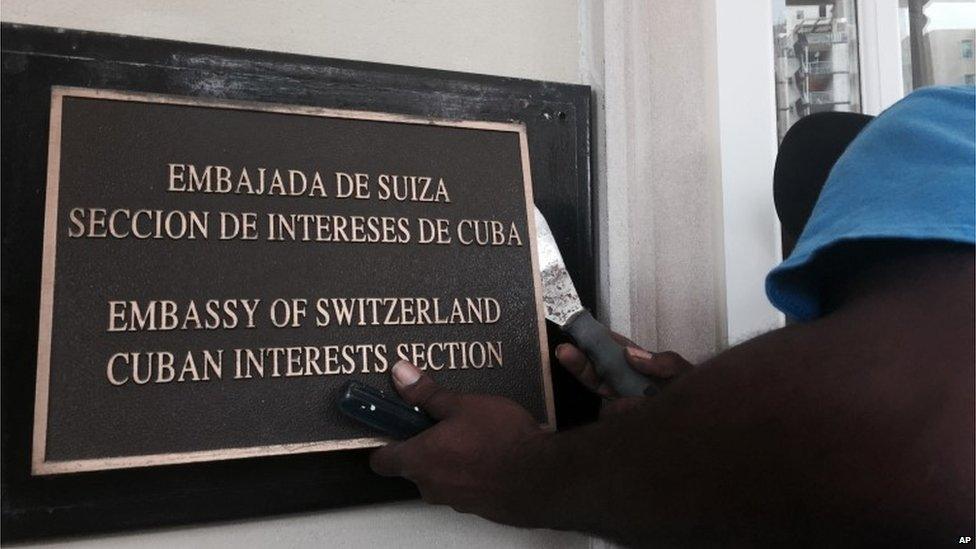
(879, 50)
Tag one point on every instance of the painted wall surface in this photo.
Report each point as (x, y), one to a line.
(747, 137)
(652, 66)
(401, 525)
(537, 40)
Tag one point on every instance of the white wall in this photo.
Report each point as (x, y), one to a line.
(747, 141)
(382, 526)
(536, 39)
(659, 203)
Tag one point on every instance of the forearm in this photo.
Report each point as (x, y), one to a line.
(668, 471)
(782, 437)
(855, 428)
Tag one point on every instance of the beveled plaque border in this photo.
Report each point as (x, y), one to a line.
(40, 466)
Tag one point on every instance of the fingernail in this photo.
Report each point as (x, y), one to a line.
(561, 348)
(639, 354)
(405, 374)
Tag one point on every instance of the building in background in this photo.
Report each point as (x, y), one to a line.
(950, 55)
(937, 42)
(817, 52)
(816, 61)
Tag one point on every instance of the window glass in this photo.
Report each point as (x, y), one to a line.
(816, 59)
(937, 42)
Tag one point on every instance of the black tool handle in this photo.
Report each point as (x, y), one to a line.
(381, 411)
(607, 356)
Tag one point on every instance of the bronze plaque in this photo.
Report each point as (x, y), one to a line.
(214, 271)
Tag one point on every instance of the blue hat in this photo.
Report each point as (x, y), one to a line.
(910, 174)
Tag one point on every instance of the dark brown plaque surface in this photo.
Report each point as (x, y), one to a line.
(119, 259)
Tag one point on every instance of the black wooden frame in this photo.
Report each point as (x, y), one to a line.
(557, 117)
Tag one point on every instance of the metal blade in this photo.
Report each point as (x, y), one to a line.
(558, 292)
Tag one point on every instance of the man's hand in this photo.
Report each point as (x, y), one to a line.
(472, 458)
(662, 367)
